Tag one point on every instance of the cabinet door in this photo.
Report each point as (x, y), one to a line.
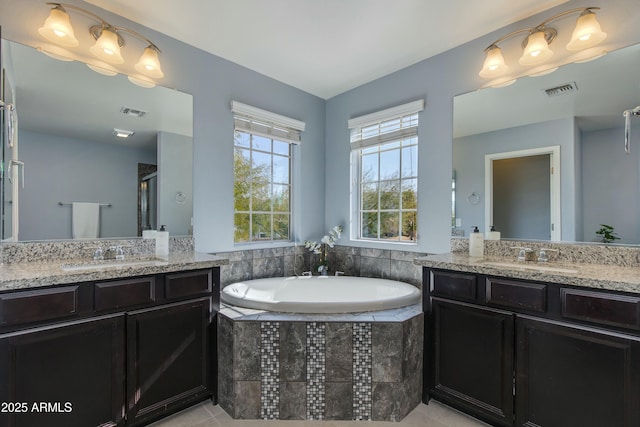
(167, 359)
(473, 359)
(69, 375)
(575, 376)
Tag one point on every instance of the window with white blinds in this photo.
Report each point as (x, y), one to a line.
(263, 153)
(384, 148)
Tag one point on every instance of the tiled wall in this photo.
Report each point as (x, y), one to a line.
(290, 261)
(334, 370)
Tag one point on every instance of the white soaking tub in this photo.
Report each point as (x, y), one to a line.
(321, 294)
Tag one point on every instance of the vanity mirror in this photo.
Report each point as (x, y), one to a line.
(68, 118)
(571, 121)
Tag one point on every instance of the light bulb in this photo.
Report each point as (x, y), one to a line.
(587, 33)
(107, 47)
(494, 65)
(537, 50)
(57, 28)
(149, 63)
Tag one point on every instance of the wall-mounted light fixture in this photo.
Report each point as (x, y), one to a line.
(536, 50)
(109, 39)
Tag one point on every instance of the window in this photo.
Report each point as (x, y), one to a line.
(385, 167)
(263, 152)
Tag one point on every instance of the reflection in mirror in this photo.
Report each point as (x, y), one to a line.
(579, 108)
(68, 117)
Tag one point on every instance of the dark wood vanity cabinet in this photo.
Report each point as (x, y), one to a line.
(69, 374)
(122, 352)
(473, 358)
(574, 375)
(521, 353)
(167, 358)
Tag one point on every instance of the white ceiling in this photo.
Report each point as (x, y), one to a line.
(325, 47)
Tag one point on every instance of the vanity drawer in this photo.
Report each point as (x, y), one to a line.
(600, 307)
(512, 294)
(124, 293)
(453, 285)
(39, 305)
(188, 284)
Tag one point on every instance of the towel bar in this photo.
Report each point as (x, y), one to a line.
(101, 204)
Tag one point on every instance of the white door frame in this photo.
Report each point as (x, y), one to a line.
(554, 190)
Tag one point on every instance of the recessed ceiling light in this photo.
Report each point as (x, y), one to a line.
(121, 133)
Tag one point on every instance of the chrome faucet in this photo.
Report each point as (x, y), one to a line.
(543, 256)
(118, 251)
(522, 253)
(98, 255)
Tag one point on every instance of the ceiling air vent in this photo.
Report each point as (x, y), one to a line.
(562, 89)
(132, 112)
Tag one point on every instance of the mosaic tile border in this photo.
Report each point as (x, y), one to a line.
(316, 370)
(362, 377)
(270, 370)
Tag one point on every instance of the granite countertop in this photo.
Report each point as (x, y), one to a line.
(610, 277)
(26, 275)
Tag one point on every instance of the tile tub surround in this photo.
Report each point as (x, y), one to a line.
(294, 260)
(364, 366)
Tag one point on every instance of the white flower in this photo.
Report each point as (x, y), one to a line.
(327, 241)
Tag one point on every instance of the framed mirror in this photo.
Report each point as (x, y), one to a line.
(67, 151)
(577, 109)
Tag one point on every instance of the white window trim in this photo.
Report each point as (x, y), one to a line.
(272, 118)
(389, 113)
(356, 149)
(249, 114)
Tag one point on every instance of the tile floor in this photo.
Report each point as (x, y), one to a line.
(206, 415)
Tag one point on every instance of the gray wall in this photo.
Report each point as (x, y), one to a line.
(468, 162)
(214, 82)
(66, 170)
(175, 157)
(607, 167)
(438, 79)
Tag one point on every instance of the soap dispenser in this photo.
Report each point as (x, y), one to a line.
(162, 242)
(492, 234)
(476, 243)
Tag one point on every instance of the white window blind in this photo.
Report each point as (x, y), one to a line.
(267, 124)
(392, 124)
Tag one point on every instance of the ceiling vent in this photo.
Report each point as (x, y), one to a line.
(562, 89)
(132, 112)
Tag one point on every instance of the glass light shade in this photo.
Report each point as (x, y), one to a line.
(494, 65)
(537, 50)
(587, 33)
(104, 69)
(106, 47)
(141, 81)
(149, 64)
(57, 29)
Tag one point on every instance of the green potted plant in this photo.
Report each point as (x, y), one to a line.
(607, 233)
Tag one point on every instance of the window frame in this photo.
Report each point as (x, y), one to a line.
(359, 147)
(268, 126)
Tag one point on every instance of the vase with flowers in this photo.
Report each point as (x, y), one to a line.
(328, 241)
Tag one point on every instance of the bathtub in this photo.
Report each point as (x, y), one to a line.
(321, 294)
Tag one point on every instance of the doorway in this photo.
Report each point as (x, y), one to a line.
(523, 193)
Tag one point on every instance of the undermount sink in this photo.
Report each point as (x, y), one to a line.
(97, 265)
(534, 267)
